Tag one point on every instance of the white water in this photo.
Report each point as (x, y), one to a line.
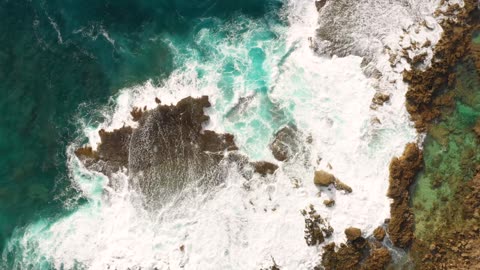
(231, 227)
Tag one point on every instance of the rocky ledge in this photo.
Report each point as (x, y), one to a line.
(168, 149)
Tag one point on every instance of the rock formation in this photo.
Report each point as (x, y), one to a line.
(324, 179)
(357, 254)
(168, 150)
(316, 228)
(423, 99)
(402, 174)
(353, 233)
(379, 234)
(286, 143)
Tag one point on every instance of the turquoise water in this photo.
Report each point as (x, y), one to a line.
(60, 59)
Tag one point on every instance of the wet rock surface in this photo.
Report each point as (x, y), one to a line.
(379, 234)
(325, 179)
(353, 233)
(111, 154)
(356, 253)
(168, 150)
(317, 229)
(264, 168)
(425, 85)
(329, 203)
(286, 143)
(402, 175)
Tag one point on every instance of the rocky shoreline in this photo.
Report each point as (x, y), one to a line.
(169, 143)
(453, 246)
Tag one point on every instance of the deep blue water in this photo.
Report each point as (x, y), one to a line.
(60, 59)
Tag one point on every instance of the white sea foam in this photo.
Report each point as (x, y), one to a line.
(232, 227)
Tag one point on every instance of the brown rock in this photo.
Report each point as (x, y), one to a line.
(329, 203)
(353, 233)
(316, 228)
(380, 98)
(347, 257)
(339, 185)
(402, 174)
(264, 168)
(286, 144)
(323, 178)
(379, 234)
(167, 149)
(319, 4)
(379, 259)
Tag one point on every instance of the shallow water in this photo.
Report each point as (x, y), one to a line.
(451, 154)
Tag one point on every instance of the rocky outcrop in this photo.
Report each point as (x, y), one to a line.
(423, 99)
(402, 174)
(167, 150)
(353, 233)
(111, 154)
(323, 178)
(379, 259)
(286, 143)
(319, 4)
(264, 168)
(329, 203)
(316, 228)
(379, 234)
(339, 185)
(379, 99)
(357, 253)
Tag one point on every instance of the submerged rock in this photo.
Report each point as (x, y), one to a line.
(319, 4)
(264, 168)
(285, 144)
(323, 178)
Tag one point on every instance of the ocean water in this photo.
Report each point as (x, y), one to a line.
(72, 68)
